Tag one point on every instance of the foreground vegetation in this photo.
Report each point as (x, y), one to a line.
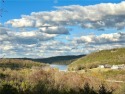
(28, 77)
(112, 57)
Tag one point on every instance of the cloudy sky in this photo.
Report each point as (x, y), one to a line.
(74, 27)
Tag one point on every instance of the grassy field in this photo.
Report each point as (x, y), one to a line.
(113, 56)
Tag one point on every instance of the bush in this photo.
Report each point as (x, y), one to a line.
(103, 90)
(8, 89)
(88, 90)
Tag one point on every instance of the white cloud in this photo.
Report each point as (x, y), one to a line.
(41, 44)
(100, 16)
(102, 39)
(39, 41)
(21, 22)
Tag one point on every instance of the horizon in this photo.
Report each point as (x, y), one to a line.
(43, 57)
(50, 28)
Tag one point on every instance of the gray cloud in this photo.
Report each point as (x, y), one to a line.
(55, 30)
(23, 37)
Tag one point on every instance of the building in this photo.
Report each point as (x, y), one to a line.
(101, 66)
(115, 67)
(122, 66)
(107, 66)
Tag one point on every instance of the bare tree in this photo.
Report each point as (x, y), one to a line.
(1, 58)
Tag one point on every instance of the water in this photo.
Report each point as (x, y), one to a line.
(60, 67)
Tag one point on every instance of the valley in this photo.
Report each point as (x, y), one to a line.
(22, 75)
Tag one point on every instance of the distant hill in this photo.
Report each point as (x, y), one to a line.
(59, 59)
(113, 56)
(56, 60)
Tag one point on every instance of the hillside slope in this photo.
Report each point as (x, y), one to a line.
(113, 56)
(19, 63)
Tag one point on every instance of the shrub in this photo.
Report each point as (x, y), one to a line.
(103, 90)
(8, 89)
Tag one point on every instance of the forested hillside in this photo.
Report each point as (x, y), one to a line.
(63, 60)
(113, 56)
(59, 59)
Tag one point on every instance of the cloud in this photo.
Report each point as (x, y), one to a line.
(23, 37)
(28, 36)
(78, 45)
(99, 16)
(23, 43)
(102, 39)
(55, 30)
(21, 22)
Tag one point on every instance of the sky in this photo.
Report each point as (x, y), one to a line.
(47, 28)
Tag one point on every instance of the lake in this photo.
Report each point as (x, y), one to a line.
(60, 67)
